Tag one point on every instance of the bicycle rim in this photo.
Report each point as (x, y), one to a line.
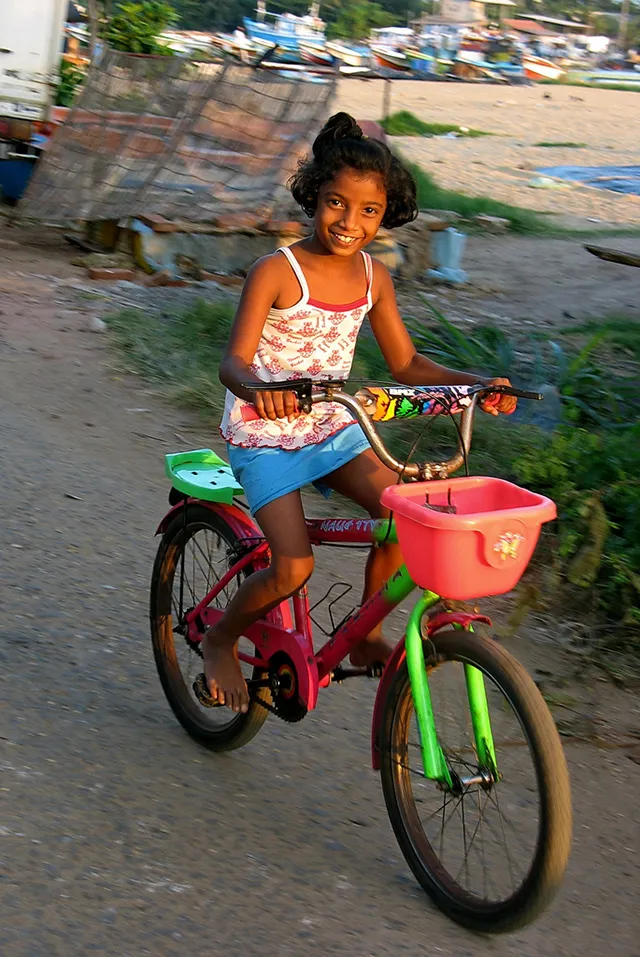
(191, 562)
(490, 852)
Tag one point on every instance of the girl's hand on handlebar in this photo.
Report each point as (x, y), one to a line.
(495, 403)
(277, 405)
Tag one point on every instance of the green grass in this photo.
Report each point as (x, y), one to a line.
(620, 332)
(182, 351)
(624, 87)
(432, 196)
(567, 145)
(405, 123)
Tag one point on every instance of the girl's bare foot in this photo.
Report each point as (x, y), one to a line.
(222, 670)
(372, 650)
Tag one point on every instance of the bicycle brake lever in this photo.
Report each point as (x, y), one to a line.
(301, 387)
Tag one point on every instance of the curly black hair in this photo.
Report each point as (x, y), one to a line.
(342, 143)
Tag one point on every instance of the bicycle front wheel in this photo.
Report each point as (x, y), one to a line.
(492, 850)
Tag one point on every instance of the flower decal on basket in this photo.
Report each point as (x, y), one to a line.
(508, 545)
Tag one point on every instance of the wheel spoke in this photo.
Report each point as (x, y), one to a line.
(195, 560)
(480, 838)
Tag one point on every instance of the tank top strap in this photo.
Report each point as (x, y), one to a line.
(368, 271)
(297, 268)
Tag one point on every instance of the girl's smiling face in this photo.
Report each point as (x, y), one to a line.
(350, 210)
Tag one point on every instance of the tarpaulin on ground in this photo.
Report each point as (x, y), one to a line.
(178, 138)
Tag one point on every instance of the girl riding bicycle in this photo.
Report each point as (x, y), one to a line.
(299, 316)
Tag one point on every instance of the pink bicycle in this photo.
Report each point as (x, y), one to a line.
(472, 768)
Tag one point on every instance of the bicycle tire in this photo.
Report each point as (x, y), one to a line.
(195, 719)
(555, 822)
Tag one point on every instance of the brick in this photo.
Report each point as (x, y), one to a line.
(164, 278)
(372, 130)
(237, 221)
(284, 227)
(97, 272)
(157, 223)
(223, 280)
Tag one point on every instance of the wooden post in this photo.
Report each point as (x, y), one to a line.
(386, 99)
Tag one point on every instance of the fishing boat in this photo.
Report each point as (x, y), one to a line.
(388, 45)
(421, 62)
(314, 53)
(391, 59)
(264, 48)
(286, 29)
(538, 68)
(609, 77)
(349, 56)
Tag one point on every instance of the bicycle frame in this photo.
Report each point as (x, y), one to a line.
(314, 669)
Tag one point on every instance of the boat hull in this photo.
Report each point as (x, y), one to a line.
(537, 68)
(346, 55)
(313, 53)
(391, 60)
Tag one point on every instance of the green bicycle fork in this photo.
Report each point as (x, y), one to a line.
(433, 759)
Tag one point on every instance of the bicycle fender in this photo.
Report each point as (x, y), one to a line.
(234, 516)
(436, 623)
(238, 522)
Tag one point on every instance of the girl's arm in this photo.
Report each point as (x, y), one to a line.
(405, 364)
(259, 293)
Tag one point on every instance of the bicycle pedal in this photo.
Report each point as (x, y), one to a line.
(375, 671)
(202, 693)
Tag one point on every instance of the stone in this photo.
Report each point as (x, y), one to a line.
(233, 221)
(157, 223)
(449, 215)
(385, 248)
(285, 227)
(164, 278)
(96, 272)
(373, 130)
(95, 324)
(493, 224)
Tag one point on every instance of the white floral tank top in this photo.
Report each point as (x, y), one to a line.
(313, 340)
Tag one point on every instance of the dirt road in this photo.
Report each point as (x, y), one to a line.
(119, 835)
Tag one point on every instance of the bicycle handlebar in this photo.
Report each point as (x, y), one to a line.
(383, 404)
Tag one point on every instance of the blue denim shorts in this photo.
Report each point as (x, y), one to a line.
(269, 473)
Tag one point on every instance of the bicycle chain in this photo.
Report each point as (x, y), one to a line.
(273, 709)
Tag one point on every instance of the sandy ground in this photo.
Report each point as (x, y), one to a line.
(120, 837)
(501, 166)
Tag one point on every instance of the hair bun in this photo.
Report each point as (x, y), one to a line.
(340, 126)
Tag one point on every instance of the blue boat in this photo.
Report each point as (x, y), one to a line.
(287, 29)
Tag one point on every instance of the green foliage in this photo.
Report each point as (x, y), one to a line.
(621, 333)
(135, 27)
(357, 19)
(594, 478)
(591, 395)
(406, 123)
(478, 349)
(69, 79)
(214, 14)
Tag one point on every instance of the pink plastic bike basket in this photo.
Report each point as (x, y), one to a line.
(483, 548)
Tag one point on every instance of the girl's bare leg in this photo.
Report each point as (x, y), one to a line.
(283, 525)
(363, 481)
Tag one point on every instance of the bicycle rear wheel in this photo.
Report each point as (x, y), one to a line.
(207, 543)
(490, 852)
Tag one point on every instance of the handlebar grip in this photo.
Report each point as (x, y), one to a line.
(519, 393)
